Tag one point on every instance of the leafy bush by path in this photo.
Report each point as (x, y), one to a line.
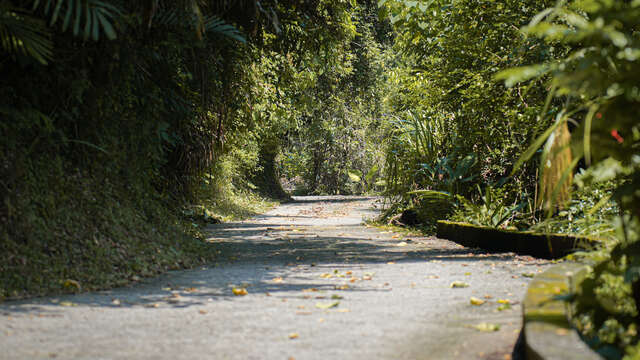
(599, 79)
(456, 126)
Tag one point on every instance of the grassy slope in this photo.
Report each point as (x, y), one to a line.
(94, 235)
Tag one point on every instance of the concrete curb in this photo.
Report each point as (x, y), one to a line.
(546, 331)
(547, 246)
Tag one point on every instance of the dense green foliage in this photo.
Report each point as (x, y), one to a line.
(457, 126)
(333, 146)
(124, 123)
(600, 78)
(470, 145)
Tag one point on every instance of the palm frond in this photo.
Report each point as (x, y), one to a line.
(174, 16)
(217, 26)
(21, 33)
(87, 18)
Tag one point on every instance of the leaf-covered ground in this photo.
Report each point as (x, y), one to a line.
(304, 281)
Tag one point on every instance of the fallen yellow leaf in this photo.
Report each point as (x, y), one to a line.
(476, 301)
(239, 291)
(504, 301)
(277, 280)
(293, 336)
(327, 305)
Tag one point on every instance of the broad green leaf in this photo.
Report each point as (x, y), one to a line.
(353, 176)
(520, 74)
(537, 144)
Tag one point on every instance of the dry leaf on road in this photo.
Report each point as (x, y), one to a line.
(476, 301)
(488, 327)
(459, 284)
(330, 305)
(239, 291)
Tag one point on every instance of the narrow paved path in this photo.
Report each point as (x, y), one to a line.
(320, 285)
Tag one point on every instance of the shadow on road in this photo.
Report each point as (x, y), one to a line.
(252, 255)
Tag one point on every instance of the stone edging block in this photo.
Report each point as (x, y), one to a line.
(547, 333)
(547, 246)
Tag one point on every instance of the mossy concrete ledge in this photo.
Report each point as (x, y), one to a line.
(546, 330)
(547, 246)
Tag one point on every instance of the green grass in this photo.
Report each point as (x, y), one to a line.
(237, 205)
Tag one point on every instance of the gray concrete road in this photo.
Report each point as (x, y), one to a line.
(319, 285)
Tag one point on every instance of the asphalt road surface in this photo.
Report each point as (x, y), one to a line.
(307, 280)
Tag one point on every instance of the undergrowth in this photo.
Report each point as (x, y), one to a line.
(99, 233)
(94, 235)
